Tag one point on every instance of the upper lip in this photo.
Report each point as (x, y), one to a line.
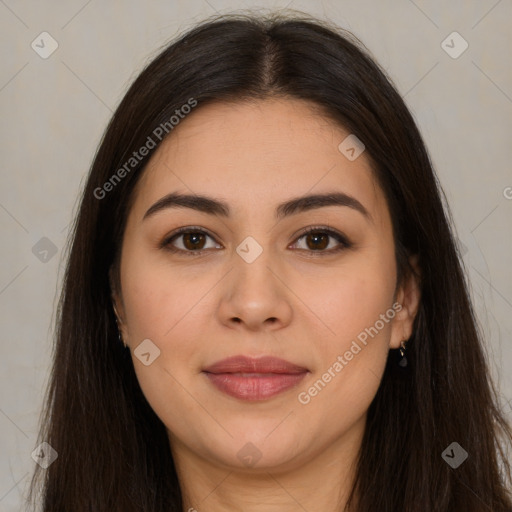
(244, 364)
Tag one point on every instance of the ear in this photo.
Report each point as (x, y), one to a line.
(408, 296)
(118, 306)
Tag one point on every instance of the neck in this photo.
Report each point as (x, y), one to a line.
(318, 481)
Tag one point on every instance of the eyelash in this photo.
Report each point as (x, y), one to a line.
(344, 242)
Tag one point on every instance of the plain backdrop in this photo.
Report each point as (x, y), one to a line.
(55, 109)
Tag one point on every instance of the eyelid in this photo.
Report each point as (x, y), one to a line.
(344, 242)
(166, 242)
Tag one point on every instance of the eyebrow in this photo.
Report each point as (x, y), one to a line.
(291, 207)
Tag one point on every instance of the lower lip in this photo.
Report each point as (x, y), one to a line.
(254, 386)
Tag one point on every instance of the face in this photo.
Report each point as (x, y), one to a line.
(246, 279)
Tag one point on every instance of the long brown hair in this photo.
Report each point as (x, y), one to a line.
(113, 451)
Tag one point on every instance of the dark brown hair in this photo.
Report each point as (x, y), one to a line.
(114, 452)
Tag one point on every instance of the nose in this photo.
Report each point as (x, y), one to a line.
(255, 296)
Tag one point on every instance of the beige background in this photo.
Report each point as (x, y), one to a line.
(54, 111)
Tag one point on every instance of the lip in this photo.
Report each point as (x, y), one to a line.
(264, 364)
(253, 379)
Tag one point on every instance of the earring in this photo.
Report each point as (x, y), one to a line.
(403, 359)
(118, 330)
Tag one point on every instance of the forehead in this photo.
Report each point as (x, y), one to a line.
(257, 153)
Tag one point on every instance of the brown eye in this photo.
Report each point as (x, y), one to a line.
(316, 241)
(319, 239)
(189, 241)
(193, 241)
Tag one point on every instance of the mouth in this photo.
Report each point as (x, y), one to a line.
(253, 379)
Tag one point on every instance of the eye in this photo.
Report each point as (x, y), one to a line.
(191, 241)
(317, 240)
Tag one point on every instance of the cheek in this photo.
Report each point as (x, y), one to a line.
(163, 304)
(352, 299)
(168, 305)
(158, 296)
(358, 310)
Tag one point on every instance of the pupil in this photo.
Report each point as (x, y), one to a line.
(316, 237)
(192, 236)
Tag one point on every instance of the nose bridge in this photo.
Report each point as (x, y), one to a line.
(252, 263)
(255, 239)
(254, 294)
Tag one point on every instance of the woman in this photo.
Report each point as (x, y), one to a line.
(264, 308)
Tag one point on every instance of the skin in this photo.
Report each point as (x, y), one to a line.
(200, 309)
